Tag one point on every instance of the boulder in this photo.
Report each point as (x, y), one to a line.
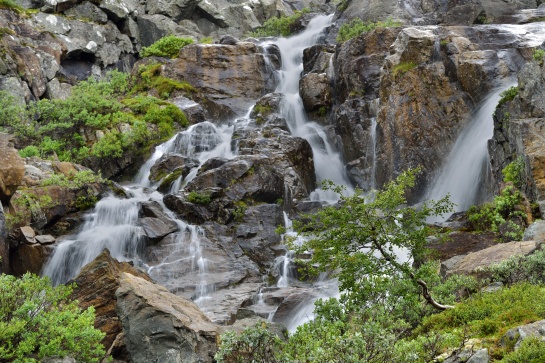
(29, 258)
(160, 326)
(474, 262)
(87, 11)
(169, 163)
(12, 168)
(231, 77)
(315, 92)
(515, 336)
(96, 285)
(156, 228)
(535, 232)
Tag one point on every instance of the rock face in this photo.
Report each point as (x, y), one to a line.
(232, 77)
(12, 168)
(515, 336)
(471, 263)
(419, 95)
(161, 327)
(96, 285)
(518, 132)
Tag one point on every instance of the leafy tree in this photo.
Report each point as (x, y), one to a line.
(361, 240)
(38, 321)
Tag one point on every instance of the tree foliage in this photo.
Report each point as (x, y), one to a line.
(364, 242)
(38, 321)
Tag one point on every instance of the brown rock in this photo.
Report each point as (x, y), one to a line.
(28, 234)
(29, 258)
(12, 167)
(96, 286)
(315, 92)
(230, 76)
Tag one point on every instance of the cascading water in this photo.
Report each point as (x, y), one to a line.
(327, 162)
(464, 174)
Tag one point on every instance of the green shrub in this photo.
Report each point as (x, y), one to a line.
(11, 5)
(531, 350)
(75, 180)
(516, 269)
(150, 78)
(198, 198)
(168, 46)
(207, 40)
(502, 212)
(402, 68)
(38, 321)
(357, 26)
(255, 344)
(508, 95)
(110, 145)
(29, 151)
(514, 172)
(539, 55)
(278, 26)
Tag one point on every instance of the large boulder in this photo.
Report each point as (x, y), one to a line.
(96, 285)
(231, 77)
(159, 326)
(12, 168)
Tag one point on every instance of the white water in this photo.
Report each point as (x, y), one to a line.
(463, 176)
(327, 162)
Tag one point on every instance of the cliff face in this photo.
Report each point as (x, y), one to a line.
(519, 130)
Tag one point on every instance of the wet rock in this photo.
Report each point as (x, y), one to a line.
(12, 168)
(315, 92)
(169, 163)
(96, 285)
(316, 59)
(461, 243)
(156, 228)
(473, 262)
(231, 77)
(192, 110)
(291, 301)
(161, 326)
(229, 40)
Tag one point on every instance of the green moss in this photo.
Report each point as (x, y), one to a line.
(539, 55)
(12, 5)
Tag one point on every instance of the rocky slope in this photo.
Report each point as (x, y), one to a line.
(389, 99)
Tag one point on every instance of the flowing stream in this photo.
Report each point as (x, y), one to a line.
(114, 222)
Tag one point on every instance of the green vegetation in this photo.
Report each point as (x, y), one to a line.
(393, 311)
(117, 114)
(504, 213)
(539, 55)
(38, 321)
(357, 26)
(75, 180)
(168, 46)
(12, 5)
(207, 40)
(508, 95)
(278, 26)
(402, 68)
(198, 198)
(514, 172)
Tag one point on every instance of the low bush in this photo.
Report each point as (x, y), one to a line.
(198, 198)
(514, 172)
(539, 55)
(168, 46)
(508, 95)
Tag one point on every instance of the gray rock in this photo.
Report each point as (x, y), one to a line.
(480, 356)
(156, 228)
(175, 9)
(58, 90)
(87, 11)
(535, 232)
(517, 335)
(118, 10)
(162, 327)
(154, 27)
(45, 239)
(315, 92)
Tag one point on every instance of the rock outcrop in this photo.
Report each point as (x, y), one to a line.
(12, 168)
(518, 132)
(160, 326)
(96, 285)
(231, 77)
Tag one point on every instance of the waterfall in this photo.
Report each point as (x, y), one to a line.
(327, 162)
(463, 176)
